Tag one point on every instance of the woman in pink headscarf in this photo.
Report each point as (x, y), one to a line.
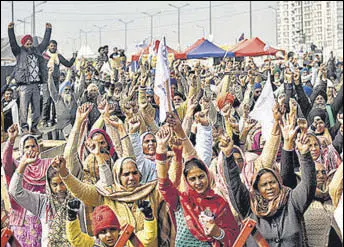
(26, 227)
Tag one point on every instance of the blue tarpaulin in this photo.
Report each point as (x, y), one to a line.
(207, 49)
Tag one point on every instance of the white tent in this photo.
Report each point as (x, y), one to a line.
(86, 52)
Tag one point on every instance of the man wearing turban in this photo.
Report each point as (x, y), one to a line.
(30, 70)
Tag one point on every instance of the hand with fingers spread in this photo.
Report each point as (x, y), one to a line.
(134, 124)
(28, 158)
(12, 133)
(289, 132)
(83, 111)
(302, 143)
(202, 118)
(226, 145)
(59, 164)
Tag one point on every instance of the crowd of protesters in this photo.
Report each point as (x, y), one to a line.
(188, 181)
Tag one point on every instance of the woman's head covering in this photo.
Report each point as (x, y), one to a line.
(194, 204)
(107, 138)
(102, 218)
(56, 217)
(118, 192)
(35, 173)
(142, 137)
(262, 207)
(328, 156)
(23, 140)
(224, 99)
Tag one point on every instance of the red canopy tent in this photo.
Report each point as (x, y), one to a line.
(145, 51)
(253, 47)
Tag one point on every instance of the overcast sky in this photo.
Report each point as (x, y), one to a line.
(229, 20)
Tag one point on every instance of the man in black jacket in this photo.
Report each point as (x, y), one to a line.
(53, 58)
(30, 70)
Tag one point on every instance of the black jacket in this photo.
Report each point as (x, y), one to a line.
(284, 229)
(21, 75)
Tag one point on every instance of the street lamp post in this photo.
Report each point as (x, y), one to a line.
(100, 33)
(178, 8)
(12, 9)
(250, 19)
(125, 30)
(151, 16)
(34, 16)
(210, 29)
(24, 22)
(275, 10)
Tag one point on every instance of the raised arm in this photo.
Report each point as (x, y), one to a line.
(270, 149)
(7, 156)
(45, 42)
(65, 62)
(145, 166)
(51, 86)
(71, 149)
(80, 86)
(204, 138)
(303, 194)
(302, 98)
(13, 41)
(166, 187)
(114, 124)
(336, 186)
(287, 167)
(31, 201)
(338, 102)
(85, 192)
(238, 193)
(188, 149)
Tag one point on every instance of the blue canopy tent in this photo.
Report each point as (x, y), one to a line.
(203, 48)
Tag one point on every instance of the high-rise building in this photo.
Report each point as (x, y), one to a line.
(303, 23)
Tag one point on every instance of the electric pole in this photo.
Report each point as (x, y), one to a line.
(151, 16)
(178, 8)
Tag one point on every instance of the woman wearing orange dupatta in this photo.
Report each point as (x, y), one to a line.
(202, 218)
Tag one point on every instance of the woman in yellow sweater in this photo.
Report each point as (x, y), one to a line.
(123, 197)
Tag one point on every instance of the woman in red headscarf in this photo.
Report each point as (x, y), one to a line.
(202, 218)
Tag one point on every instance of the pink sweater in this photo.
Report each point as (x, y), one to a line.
(9, 164)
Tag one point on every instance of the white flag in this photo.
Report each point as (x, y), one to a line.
(162, 86)
(262, 110)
